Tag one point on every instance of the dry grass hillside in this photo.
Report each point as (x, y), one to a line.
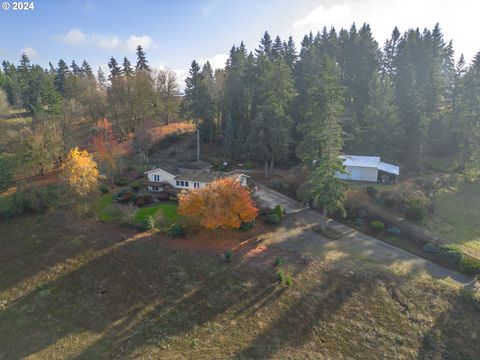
(74, 289)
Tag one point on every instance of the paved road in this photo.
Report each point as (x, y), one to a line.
(271, 198)
(295, 233)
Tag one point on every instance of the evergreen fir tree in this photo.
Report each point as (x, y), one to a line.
(290, 53)
(60, 80)
(142, 63)
(101, 78)
(265, 47)
(115, 70)
(127, 67)
(87, 70)
(75, 69)
(322, 141)
(270, 131)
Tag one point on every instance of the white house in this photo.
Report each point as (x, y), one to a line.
(193, 175)
(368, 168)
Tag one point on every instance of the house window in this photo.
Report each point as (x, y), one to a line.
(178, 183)
(156, 178)
(186, 183)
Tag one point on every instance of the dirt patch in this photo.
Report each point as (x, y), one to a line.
(215, 241)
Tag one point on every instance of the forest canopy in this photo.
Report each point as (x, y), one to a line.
(407, 100)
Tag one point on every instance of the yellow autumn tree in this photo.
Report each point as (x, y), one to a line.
(80, 172)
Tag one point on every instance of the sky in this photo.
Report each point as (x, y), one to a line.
(175, 32)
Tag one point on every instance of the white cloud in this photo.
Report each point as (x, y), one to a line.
(30, 52)
(457, 19)
(107, 42)
(321, 15)
(76, 37)
(133, 41)
(217, 61)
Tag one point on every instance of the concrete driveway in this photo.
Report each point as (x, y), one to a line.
(295, 233)
(271, 198)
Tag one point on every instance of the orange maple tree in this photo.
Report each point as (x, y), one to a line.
(222, 203)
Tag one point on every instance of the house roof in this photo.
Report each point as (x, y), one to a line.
(389, 168)
(361, 161)
(178, 167)
(370, 162)
(205, 176)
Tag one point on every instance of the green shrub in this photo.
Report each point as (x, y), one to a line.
(135, 186)
(278, 261)
(248, 165)
(228, 256)
(104, 189)
(279, 211)
(377, 225)
(280, 276)
(272, 218)
(415, 211)
(34, 199)
(371, 191)
(121, 181)
(149, 223)
(245, 226)
(176, 230)
(450, 253)
(144, 199)
(289, 281)
(469, 266)
(124, 196)
(6, 173)
(416, 207)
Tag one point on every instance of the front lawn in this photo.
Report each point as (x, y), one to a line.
(168, 210)
(101, 206)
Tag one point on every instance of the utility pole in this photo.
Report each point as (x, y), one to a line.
(198, 143)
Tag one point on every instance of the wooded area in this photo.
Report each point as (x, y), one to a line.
(341, 92)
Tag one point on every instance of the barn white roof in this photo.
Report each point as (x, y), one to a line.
(370, 162)
(361, 161)
(389, 168)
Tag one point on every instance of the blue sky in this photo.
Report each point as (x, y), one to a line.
(176, 32)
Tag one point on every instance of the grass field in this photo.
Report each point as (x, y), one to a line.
(85, 290)
(5, 202)
(101, 207)
(106, 212)
(457, 215)
(168, 210)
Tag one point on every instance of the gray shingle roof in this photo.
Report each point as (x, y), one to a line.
(204, 176)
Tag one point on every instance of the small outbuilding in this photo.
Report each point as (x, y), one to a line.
(368, 168)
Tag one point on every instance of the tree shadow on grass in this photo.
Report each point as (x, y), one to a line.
(455, 333)
(31, 250)
(297, 324)
(138, 294)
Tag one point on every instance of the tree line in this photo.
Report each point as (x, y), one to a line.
(407, 101)
(65, 102)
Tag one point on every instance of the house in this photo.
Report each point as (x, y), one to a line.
(368, 168)
(189, 175)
